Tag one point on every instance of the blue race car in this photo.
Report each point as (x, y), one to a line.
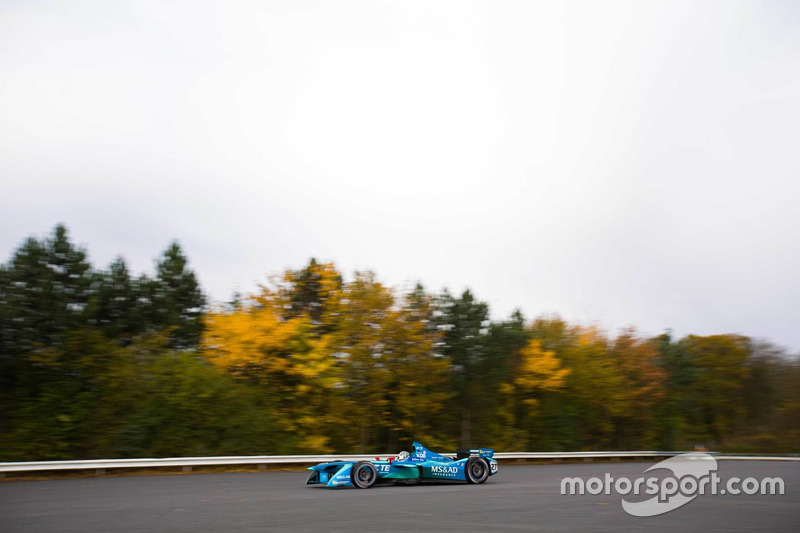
(472, 466)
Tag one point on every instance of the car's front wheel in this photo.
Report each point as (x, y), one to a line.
(477, 470)
(364, 474)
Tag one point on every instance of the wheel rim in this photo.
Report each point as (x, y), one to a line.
(364, 475)
(477, 470)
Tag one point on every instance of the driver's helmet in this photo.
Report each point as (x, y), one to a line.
(402, 456)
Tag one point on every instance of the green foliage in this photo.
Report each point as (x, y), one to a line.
(185, 407)
(719, 365)
(177, 299)
(464, 322)
(45, 289)
(119, 305)
(102, 363)
(311, 291)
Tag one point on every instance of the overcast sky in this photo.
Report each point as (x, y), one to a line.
(617, 163)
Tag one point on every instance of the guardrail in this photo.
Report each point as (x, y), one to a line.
(100, 465)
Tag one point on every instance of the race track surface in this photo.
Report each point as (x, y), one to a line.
(519, 498)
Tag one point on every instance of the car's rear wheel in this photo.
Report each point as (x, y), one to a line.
(364, 474)
(477, 470)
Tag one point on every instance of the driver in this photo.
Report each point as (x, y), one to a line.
(402, 456)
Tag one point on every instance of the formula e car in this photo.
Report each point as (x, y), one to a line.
(472, 466)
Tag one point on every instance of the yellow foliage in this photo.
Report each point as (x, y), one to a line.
(315, 444)
(539, 369)
(321, 348)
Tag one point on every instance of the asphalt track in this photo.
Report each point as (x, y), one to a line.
(519, 498)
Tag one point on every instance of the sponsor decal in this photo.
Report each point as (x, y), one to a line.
(323, 477)
(444, 470)
(382, 468)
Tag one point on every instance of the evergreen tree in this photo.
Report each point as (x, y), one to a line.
(504, 342)
(177, 299)
(313, 291)
(119, 305)
(464, 321)
(44, 290)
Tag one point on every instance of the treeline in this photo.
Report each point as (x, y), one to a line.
(101, 363)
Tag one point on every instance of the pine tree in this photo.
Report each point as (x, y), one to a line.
(44, 291)
(178, 301)
(119, 304)
(464, 321)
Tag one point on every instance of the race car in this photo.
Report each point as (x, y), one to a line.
(472, 466)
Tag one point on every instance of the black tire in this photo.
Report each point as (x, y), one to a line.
(477, 470)
(363, 474)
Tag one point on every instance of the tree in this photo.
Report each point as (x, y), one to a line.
(464, 321)
(293, 368)
(720, 370)
(538, 372)
(671, 420)
(644, 389)
(360, 344)
(119, 304)
(594, 394)
(504, 343)
(417, 390)
(45, 289)
(177, 299)
(314, 291)
(185, 407)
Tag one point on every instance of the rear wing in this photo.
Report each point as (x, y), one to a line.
(463, 453)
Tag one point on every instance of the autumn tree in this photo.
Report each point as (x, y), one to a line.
(105, 363)
(314, 291)
(538, 372)
(294, 368)
(360, 344)
(644, 387)
(594, 394)
(417, 390)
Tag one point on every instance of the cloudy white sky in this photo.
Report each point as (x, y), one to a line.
(618, 163)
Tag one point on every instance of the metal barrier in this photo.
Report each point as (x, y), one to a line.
(188, 462)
